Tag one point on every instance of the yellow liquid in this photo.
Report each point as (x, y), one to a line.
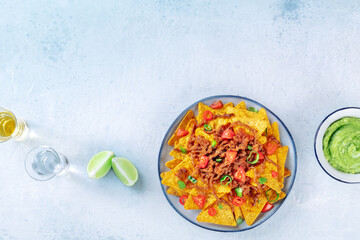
(7, 124)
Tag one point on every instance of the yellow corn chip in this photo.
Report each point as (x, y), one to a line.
(177, 154)
(272, 194)
(223, 216)
(164, 174)
(262, 140)
(188, 116)
(281, 154)
(184, 140)
(275, 130)
(173, 192)
(171, 180)
(173, 163)
(241, 105)
(190, 204)
(263, 115)
(267, 173)
(252, 212)
(238, 212)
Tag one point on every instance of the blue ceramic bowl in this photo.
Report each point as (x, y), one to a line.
(318, 146)
(190, 215)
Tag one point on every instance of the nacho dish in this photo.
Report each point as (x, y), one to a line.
(228, 162)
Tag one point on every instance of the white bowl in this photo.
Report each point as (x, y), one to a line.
(318, 145)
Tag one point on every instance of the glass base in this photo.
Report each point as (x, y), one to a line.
(43, 163)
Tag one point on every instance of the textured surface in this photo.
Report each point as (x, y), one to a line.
(113, 76)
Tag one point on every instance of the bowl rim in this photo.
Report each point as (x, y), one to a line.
(315, 141)
(268, 110)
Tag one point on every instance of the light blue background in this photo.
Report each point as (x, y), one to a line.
(90, 75)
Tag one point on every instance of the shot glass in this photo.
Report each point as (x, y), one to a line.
(43, 163)
(11, 127)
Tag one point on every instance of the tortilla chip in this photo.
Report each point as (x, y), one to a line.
(252, 212)
(173, 163)
(262, 113)
(188, 116)
(171, 180)
(164, 174)
(223, 216)
(251, 119)
(272, 195)
(177, 154)
(190, 204)
(173, 192)
(269, 168)
(229, 104)
(184, 140)
(202, 108)
(201, 132)
(287, 172)
(219, 189)
(262, 140)
(238, 213)
(281, 154)
(241, 105)
(275, 130)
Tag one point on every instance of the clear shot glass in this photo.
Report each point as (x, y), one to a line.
(43, 163)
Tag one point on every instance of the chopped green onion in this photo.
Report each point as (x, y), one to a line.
(218, 160)
(262, 180)
(224, 179)
(181, 184)
(193, 180)
(265, 132)
(239, 220)
(256, 158)
(220, 206)
(213, 143)
(252, 109)
(267, 196)
(239, 191)
(183, 150)
(249, 147)
(259, 201)
(207, 127)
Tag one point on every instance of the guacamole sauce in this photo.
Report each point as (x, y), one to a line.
(341, 144)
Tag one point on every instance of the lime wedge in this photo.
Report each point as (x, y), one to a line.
(100, 164)
(125, 170)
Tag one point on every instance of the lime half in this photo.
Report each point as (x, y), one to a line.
(100, 164)
(125, 170)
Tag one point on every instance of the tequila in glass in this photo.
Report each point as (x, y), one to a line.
(11, 127)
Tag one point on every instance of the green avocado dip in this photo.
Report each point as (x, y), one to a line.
(341, 144)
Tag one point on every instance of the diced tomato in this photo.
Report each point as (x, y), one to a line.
(216, 105)
(212, 211)
(203, 161)
(230, 156)
(240, 175)
(183, 199)
(274, 174)
(207, 115)
(270, 147)
(199, 200)
(227, 134)
(268, 206)
(261, 156)
(238, 201)
(181, 132)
